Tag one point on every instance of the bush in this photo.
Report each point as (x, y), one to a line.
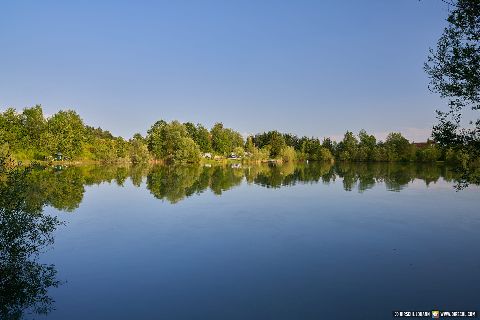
(139, 152)
(239, 152)
(325, 155)
(428, 154)
(288, 154)
(259, 154)
(187, 151)
(456, 157)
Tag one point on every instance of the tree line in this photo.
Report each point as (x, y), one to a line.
(29, 135)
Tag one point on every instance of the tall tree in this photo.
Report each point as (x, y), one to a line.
(225, 140)
(34, 125)
(170, 142)
(66, 131)
(347, 148)
(11, 131)
(398, 147)
(454, 71)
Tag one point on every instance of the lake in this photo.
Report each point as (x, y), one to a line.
(305, 241)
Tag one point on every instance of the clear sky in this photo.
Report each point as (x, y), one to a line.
(314, 68)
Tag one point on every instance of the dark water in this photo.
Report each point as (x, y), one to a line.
(311, 241)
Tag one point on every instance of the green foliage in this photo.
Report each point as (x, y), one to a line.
(431, 153)
(325, 155)
(456, 157)
(34, 126)
(225, 140)
(239, 151)
(200, 135)
(11, 130)
(347, 148)
(274, 139)
(249, 146)
(312, 149)
(277, 144)
(138, 150)
(171, 142)
(6, 161)
(203, 139)
(329, 145)
(187, 151)
(29, 136)
(399, 148)
(154, 139)
(288, 154)
(454, 71)
(257, 154)
(66, 131)
(172, 182)
(104, 150)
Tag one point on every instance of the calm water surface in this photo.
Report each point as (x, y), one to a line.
(310, 241)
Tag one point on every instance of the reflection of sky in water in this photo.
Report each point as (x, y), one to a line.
(282, 243)
(304, 251)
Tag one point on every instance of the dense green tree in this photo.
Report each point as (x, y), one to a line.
(11, 130)
(121, 148)
(399, 148)
(347, 148)
(249, 146)
(66, 131)
(456, 157)
(191, 130)
(200, 135)
(454, 71)
(366, 140)
(187, 151)
(328, 144)
(239, 151)
(288, 154)
(170, 142)
(277, 143)
(164, 138)
(104, 150)
(366, 146)
(225, 140)
(428, 154)
(34, 126)
(138, 150)
(292, 140)
(155, 139)
(274, 140)
(220, 141)
(203, 139)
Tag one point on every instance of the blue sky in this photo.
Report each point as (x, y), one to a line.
(314, 68)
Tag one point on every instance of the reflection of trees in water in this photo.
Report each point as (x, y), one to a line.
(395, 176)
(64, 189)
(224, 178)
(24, 232)
(279, 175)
(172, 182)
